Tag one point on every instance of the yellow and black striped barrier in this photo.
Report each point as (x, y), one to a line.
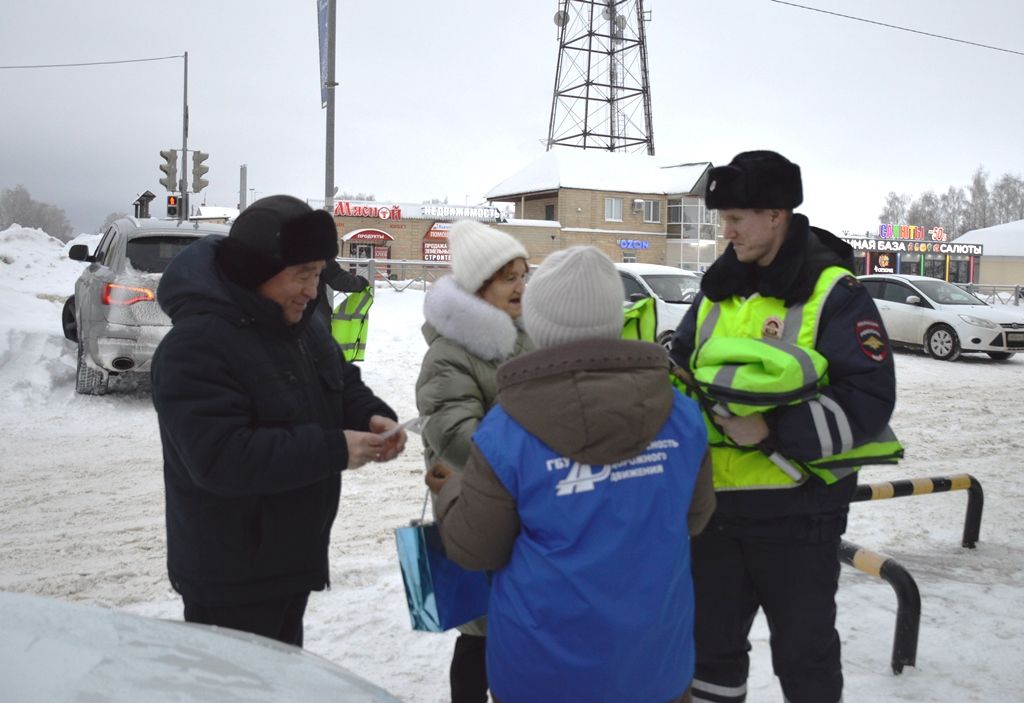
(908, 599)
(938, 484)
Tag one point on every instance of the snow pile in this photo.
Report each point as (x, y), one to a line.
(35, 278)
(82, 514)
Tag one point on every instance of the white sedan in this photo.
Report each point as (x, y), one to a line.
(944, 320)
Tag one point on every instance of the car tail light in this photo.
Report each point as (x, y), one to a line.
(114, 294)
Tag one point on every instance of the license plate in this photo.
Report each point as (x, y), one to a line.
(1015, 336)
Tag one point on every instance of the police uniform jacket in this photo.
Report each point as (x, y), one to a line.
(861, 374)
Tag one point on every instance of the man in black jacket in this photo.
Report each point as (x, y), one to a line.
(259, 414)
(772, 542)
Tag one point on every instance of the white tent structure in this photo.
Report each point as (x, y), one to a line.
(1003, 260)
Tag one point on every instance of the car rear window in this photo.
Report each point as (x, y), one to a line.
(152, 254)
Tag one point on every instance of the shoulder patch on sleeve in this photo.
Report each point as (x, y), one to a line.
(871, 340)
(852, 282)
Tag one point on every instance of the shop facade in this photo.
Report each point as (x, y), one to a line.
(914, 250)
(393, 233)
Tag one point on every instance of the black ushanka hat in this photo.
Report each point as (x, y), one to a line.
(273, 233)
(755, 180)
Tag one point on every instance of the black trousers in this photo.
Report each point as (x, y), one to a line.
(795, 582)
(468, 674)
(278, 618)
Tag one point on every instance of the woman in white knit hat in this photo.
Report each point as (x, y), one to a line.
(582, 487)
(472, 326)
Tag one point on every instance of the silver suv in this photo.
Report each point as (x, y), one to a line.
(113, 315)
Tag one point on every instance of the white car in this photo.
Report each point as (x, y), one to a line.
(943, 319)
(673, 290)
(53, 650)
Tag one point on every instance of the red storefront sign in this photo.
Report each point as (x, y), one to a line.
(346, 209)
(369, 236)
(435, 242)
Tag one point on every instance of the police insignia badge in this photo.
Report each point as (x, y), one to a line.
(871, 339)
(772, 328)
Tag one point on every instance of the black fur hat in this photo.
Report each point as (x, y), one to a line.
(273, 233)
(755, 180)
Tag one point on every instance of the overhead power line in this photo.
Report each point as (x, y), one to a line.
(896, 26)
(96, 63)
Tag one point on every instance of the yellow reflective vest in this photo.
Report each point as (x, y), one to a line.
(641, 321)
(350, 324)
(754, 354)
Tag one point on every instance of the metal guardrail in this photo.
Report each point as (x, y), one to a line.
(993, 294)
(908, 599)
(937, 484)
(399, 274)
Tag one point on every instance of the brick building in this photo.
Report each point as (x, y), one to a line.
(633, 207)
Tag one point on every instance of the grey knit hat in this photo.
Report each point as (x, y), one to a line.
(575, 294)
(478, 251)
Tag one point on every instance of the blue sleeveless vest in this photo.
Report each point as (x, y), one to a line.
(596, 601)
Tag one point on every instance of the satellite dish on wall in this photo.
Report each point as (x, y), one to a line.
(561, 17)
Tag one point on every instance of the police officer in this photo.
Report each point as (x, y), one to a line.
(772, 542)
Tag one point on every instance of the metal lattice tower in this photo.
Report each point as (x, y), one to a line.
(602, 97)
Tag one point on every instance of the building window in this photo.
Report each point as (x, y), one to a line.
(613, 209)
(549, 213)
(675, 212)
(628, 257)
(652, 211)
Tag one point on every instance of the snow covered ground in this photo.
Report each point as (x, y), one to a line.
(81, 509)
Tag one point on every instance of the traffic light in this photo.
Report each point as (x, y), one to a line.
(199, 170)
(170, 169)
(173, 204)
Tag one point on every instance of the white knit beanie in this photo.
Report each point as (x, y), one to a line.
(575, 294)
(478, 251)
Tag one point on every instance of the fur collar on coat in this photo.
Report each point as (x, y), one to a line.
(469, 321)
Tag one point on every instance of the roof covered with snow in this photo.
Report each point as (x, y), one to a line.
(593, 169)
(212, 211)
(1000, 240)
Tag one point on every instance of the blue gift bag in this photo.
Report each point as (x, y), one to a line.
(440, 593)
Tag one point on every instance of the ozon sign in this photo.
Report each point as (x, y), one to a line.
(346, 209)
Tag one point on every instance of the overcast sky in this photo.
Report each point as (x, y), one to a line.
(448, 98)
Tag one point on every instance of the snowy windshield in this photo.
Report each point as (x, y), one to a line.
(948, 294)
(674, 288)
(152, 254)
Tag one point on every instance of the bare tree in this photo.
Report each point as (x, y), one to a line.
(18, 207)
(109, 220)
(1007, 199)
(978, 214)
(953, 205)
(895, 209)
(925, 211)
(366, 197)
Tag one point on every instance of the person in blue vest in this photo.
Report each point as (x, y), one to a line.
(772, 542)
(581, 490)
